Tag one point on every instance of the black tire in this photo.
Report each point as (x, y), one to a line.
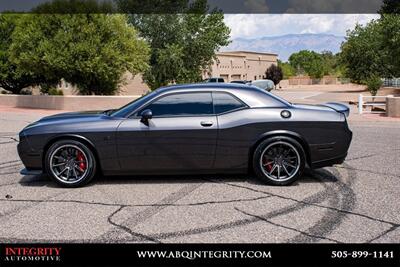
(265, 154)
(65, 149)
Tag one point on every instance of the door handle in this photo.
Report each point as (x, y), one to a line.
(206, 123)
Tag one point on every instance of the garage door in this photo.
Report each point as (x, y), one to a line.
(235, 77)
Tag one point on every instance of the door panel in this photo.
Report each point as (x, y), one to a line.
(132, 141)
(181, 135)
(181, 143)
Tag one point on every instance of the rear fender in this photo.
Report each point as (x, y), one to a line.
(339, 107)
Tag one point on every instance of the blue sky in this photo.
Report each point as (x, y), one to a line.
(260, 25)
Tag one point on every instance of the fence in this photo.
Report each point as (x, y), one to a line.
(70, 103)
(307, 80)
(372, 104)
(395, 82)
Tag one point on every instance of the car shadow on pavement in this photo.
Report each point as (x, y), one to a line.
(309, 176)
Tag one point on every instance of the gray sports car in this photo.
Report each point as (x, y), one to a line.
(196, 128)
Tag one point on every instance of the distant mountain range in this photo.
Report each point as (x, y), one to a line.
(285, 45)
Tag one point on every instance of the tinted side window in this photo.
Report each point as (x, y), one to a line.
(182, 104)
(224, 102)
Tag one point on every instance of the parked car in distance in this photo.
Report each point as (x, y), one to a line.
(267, 85)
(241, 81)
(214, 80)
(182, 129)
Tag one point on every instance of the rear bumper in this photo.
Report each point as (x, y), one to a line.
(328, 162)
(328, 154)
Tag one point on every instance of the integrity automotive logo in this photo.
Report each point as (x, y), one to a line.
(32, 254)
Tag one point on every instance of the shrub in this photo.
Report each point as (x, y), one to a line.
(55, 91)
(373, 84)
(25, 91)
(274, 73)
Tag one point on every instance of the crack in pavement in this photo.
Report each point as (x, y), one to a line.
(138, 205)
(368, 171)
(313, 200)
(310, 203)
(128, 230)
(391, 229)
(261, 218)
(317, 197)
(149, 212)
(34, 203)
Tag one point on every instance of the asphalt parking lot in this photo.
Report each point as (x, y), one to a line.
(357, 201)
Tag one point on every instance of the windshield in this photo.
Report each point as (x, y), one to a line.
(131, 106)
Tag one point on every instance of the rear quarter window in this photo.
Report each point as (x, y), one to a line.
(224, 102)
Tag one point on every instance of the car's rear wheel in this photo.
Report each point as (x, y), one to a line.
(279, 160)
(70, 163)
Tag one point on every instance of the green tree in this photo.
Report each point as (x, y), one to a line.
(274, 73)
(287, 69)
(91, 51)
(361, 53)
(390, 7)
(182, 45)
(11, 77)
(308, 62)
(390, 43)
(373, 83)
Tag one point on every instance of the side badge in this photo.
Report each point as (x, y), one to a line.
(286, 114)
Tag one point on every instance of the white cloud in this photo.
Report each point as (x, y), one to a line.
(259, 25)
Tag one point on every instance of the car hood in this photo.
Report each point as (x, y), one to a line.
(72, 122)
(73, 115)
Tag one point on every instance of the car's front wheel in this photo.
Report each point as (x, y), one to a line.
(279, 160)
(70, 163)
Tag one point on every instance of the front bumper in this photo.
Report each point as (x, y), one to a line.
(31, 159)
(31, 172)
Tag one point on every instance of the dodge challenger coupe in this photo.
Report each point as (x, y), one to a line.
(196, 128)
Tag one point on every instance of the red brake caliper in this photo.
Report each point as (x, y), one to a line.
(268, 166)
(81, 160)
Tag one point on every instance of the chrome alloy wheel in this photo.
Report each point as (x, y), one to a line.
(69, 163)
(280, 161)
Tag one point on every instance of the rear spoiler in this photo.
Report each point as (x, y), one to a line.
(339, 107)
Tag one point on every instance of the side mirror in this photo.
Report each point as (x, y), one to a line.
(146, 116)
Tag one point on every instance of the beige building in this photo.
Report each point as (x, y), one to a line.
(240, 65)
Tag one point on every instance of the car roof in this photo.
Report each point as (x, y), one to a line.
(253, 96)
(207, 86)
